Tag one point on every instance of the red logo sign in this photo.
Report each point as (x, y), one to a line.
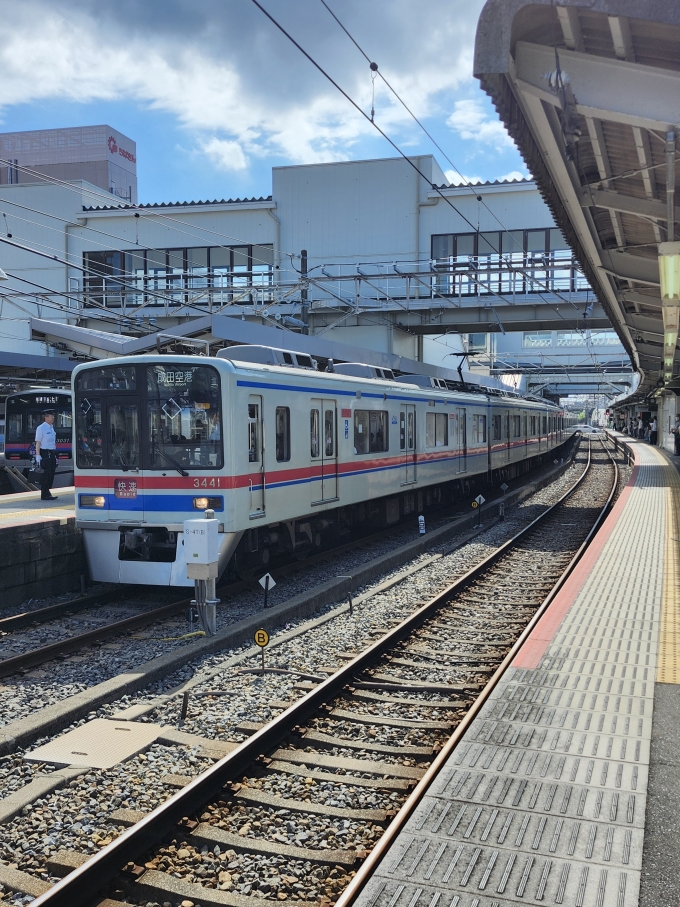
(113, 145)
(125, 488)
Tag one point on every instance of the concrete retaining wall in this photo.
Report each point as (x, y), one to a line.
(40, 560)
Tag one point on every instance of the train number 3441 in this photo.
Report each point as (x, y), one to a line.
(207, 483)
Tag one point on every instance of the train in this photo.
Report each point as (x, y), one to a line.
(289, 458)
(23, 414)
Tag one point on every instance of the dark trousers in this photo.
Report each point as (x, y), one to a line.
(652, 437)
(49, 465)
(676, 438)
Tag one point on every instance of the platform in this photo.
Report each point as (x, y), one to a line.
(27, 508)
(566, 788)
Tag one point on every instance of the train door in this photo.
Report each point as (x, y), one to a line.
(462, 439)
(324, 450)
(506, 432)
(407, 442)
(525, 433)
(122, 440)
(256, 447)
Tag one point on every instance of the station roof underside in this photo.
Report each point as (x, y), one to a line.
(588, 93)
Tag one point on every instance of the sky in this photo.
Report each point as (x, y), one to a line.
(215, 96)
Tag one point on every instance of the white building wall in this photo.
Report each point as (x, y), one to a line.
(342, 213)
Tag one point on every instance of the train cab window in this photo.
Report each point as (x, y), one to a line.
(89, 446)
(253, 433)
(370, 431)
(282, 433)
(107, 378)
(123, 429)
(314, 433)
(436, 430)
(183, 408)
(15, 423)
(329, 432)
(479, 429)
(496, 426)
(515, 427)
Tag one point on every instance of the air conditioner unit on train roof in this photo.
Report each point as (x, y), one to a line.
(267, 355)
(363, 370)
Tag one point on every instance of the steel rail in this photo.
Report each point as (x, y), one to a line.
(41, 615)
(81, 885)
(370, 864)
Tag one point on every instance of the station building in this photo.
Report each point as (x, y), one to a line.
(383, 256)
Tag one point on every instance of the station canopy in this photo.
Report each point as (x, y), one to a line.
(590, 93)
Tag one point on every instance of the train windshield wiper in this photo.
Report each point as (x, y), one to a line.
(172, 462)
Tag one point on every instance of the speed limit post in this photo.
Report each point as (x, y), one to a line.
(261, 638)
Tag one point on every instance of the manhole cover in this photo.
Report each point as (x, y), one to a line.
(98, 744)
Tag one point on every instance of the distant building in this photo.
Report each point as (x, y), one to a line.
(100, 155)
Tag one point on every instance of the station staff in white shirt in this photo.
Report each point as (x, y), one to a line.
(46, 453)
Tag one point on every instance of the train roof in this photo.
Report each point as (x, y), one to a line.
(386, 386)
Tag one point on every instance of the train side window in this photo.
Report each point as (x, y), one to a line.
(314, 433)
(437, 429)
(411, 431)
(479, 429)
(496, 424)
(545, 424)
(253, 431)
(515, 427)
(329, 432)
(361, 431)
(533, 426)
(282, 433)
(402, 431)
(371, 431)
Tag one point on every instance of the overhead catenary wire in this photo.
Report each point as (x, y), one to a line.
(407, 159)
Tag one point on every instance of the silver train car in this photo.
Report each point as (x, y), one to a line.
(23, 414)
(288, 457)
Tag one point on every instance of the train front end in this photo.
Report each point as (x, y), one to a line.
(150, 453)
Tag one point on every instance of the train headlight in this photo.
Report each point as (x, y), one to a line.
(92, 500)
(209, 503)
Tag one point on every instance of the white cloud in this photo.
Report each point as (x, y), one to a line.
(456, 179)
(225, 73)
(470, 121)
(225, 155)
(515, 175)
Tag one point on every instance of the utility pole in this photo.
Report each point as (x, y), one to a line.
(304, 298)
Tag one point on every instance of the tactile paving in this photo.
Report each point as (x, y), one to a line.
(543, 802)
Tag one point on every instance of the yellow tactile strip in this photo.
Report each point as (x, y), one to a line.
(668, 665)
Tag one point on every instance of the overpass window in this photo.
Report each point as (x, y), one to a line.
(536, 339)
(167, 277)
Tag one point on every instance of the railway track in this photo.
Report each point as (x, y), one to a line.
(368, 734)
(35, 656)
